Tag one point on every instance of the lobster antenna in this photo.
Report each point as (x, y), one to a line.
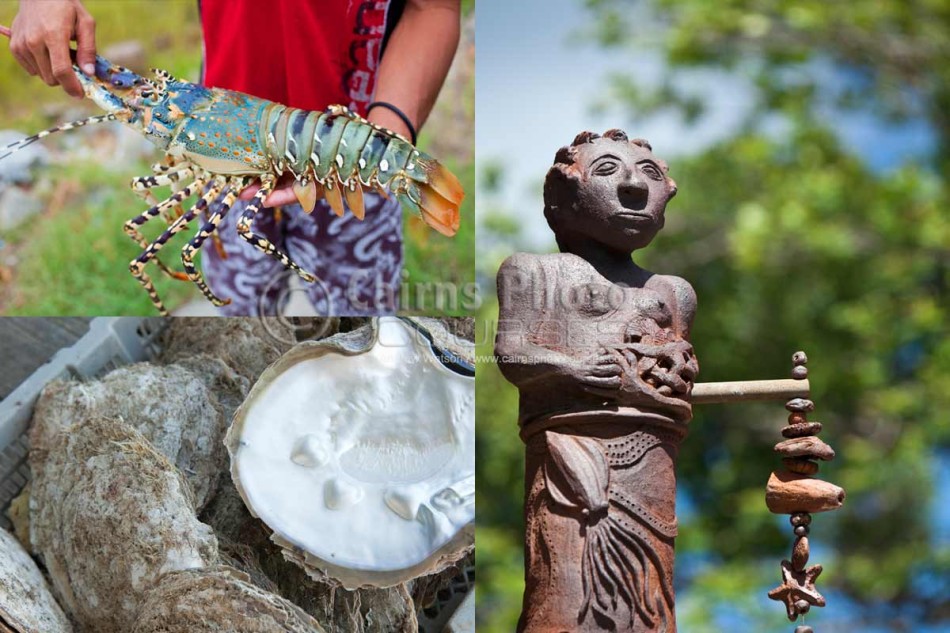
(18, 145)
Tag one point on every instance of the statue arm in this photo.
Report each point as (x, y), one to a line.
(685, 305)
(521, 303)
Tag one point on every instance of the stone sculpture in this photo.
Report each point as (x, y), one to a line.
(599, 349)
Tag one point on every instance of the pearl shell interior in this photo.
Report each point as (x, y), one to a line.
(365, 461)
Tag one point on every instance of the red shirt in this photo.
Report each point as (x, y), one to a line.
(302, 53)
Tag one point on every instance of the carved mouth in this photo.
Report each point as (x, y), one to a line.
(636, 215)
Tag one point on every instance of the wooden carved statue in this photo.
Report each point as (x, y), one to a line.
(599, 350)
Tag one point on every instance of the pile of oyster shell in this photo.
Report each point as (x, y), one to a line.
(134, 524)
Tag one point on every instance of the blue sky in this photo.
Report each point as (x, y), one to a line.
(537, 84)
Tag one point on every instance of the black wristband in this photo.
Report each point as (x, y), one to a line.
(397, 112)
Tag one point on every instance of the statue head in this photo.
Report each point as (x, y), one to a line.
(608, 189)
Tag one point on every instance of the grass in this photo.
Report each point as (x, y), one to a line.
(77, 261)
(73, 260)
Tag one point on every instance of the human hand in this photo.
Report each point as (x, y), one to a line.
(283, 193)
(40, 41)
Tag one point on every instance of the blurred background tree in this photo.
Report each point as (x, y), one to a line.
(794, 239)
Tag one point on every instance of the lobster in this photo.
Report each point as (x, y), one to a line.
(221, 141)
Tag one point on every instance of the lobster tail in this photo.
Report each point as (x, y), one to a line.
(435, 194)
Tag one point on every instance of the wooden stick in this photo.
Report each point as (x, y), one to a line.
(749, 390)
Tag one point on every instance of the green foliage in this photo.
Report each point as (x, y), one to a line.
(898, 50)
(791, 243)
(498, 496)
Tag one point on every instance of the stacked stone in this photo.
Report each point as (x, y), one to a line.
(795, 492)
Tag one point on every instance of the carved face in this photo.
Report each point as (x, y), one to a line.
(620, 195)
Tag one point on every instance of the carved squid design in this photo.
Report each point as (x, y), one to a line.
(618, 561)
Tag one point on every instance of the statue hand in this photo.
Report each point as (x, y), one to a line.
(601, 373)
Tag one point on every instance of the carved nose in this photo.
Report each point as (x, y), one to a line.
(633, 189)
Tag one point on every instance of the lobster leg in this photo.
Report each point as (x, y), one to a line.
(168, 164)
(132, 231)
(142, 184)
(245, 231)
(207, 230)
(137, 265)
(142, 187)
(172, 164)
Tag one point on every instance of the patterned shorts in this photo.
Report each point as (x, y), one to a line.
(357, 263)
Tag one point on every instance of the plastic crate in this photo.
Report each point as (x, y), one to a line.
(434, 618)
(112, 342)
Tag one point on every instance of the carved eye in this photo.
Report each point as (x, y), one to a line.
(651, 171)
(605, 168)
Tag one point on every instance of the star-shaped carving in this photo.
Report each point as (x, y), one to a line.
(797, 585)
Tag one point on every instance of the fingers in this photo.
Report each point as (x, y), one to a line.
(281, 197)
(603, 381)
(250, 191)
(86, 43)
(40, 42)
(610, 367)
(40, 56)
(605, 387)
(61, 67)
(19, 48)
(24, 60)
(283, 194)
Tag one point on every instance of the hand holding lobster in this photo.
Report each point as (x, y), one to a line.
(40, 42)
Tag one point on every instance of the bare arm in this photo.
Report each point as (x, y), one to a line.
(42, 31)
(417, 59)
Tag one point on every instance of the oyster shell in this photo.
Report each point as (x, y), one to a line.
(26, 604)
(110, 516)
(244, 543)
(390, 496)
(218, 601)
(170, 405)
(248, 346)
